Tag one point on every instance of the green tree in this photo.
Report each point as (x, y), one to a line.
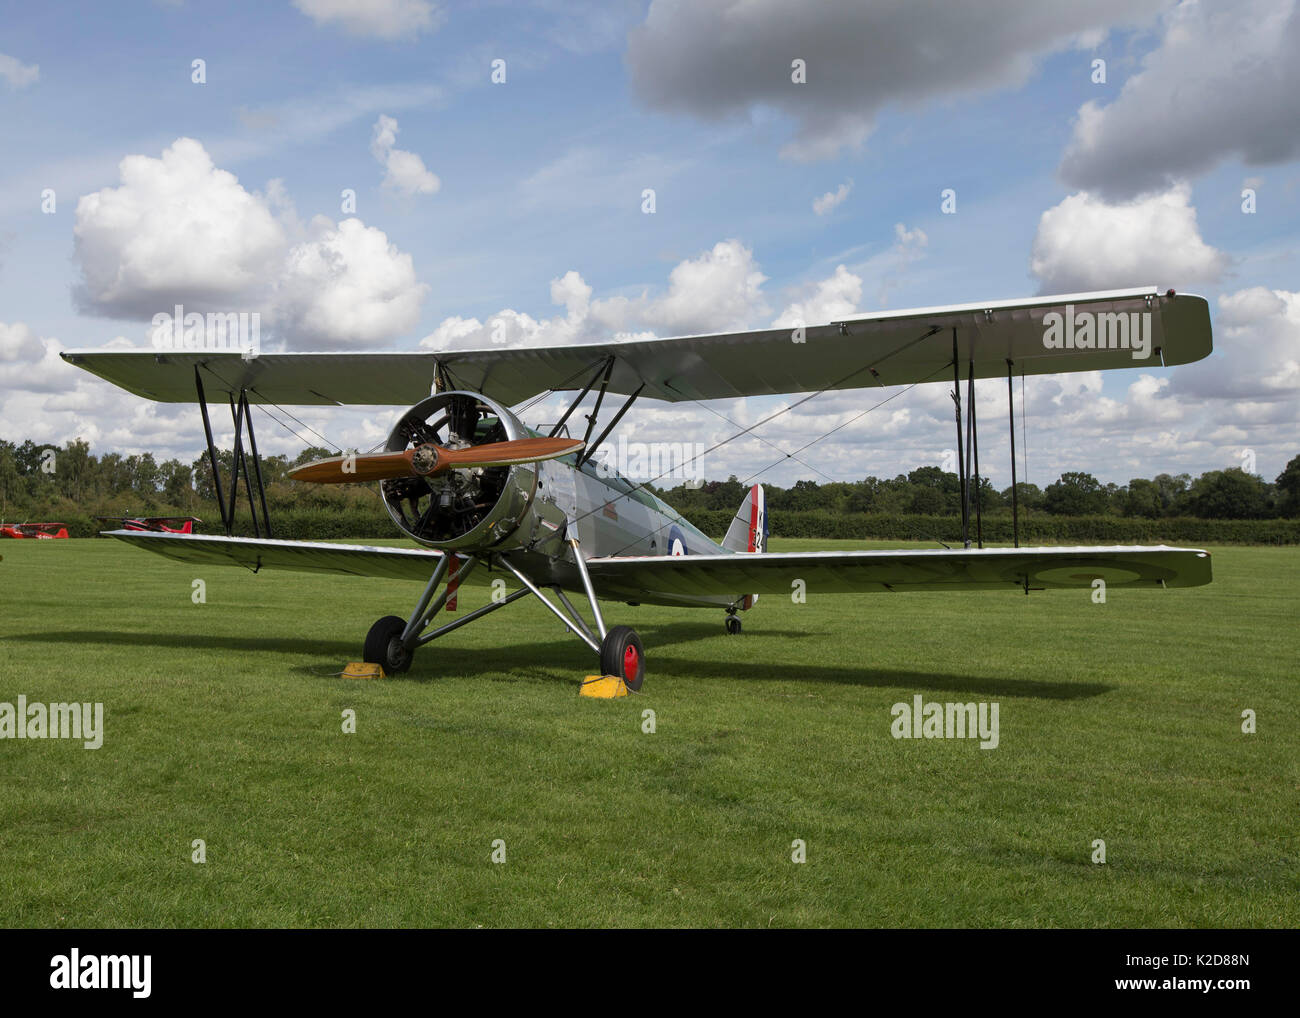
(1288, 488)
(12, 488)
(1173, 492)
(144, 475)
(1229, 494)
(1075, 494)
(75, 469)
(175, 479)
(28, 456)
(1028, 496)
(1143, 499)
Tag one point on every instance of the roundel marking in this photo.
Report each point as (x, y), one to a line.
(677, 543)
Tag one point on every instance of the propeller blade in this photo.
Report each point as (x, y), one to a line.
(506, 454)
(356, 469)
(429, 460)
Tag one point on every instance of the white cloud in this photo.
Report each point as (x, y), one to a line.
(405, 172)
(1257, 350)
(1084, 243)
(178, 230)
(16, 73)
(908, 247)
(831, 299)
(16, 340)
(1223, 82)
(832, 199)
(720, 290)
(722, 58)
(175, 227)
(347, 286)
(383, 19)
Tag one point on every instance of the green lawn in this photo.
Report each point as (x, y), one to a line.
(1119, 722)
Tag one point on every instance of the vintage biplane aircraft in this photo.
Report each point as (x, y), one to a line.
(37, 531)
(465, 479)
(158, 524)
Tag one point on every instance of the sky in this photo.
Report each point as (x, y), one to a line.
(405, 174)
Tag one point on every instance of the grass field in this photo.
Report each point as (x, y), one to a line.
(223, 722)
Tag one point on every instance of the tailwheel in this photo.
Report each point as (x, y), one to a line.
(733, 625)
(621, 654)
(384, 645)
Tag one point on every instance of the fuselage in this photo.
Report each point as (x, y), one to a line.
(613, 516)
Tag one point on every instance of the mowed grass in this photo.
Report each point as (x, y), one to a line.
(1120, 722)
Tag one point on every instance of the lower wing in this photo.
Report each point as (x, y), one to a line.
(678, 579)
(299, 556)
(671, 578)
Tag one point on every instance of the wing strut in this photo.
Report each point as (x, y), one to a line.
(973, 438)
(586, 453)
(600, 398)
(241, 414)
(257, 460)
(961, 463)
(212, 449)
(607, 365)
(239, 462)
(1015, 497)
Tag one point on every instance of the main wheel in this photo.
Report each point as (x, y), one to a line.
(384, 645)
(621, 654)
(733, 625)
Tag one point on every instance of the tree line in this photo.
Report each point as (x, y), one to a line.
(1231, 494)
(45, 480)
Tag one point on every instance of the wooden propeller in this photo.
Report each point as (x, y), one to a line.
(429, 460)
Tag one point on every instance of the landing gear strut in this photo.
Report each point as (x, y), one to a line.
(733, 623)
(392, 641)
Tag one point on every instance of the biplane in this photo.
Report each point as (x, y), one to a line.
(37, 531)
(157, 524)
(473, 487)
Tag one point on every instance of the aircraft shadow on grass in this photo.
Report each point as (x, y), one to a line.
(554, 658)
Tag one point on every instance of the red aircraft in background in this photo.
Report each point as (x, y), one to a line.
(39, 531)
(158, 524)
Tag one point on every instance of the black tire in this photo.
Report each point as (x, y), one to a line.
(383, 645)
(733, 626)
(621, 652)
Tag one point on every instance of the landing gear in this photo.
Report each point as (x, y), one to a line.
(392, 641)
(733, 626)
(621, 654)
(384, 645)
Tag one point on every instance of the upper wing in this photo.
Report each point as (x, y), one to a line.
(671, 578)
(299, 556)
(882, 348)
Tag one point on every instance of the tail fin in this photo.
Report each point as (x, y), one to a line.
(748, 530)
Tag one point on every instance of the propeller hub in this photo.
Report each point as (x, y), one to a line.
(424, 460)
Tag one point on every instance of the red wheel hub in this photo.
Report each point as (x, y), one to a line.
(631, 663)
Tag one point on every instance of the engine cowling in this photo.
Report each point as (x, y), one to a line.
(476, 509)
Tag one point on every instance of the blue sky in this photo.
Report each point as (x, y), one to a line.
(542, 176)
